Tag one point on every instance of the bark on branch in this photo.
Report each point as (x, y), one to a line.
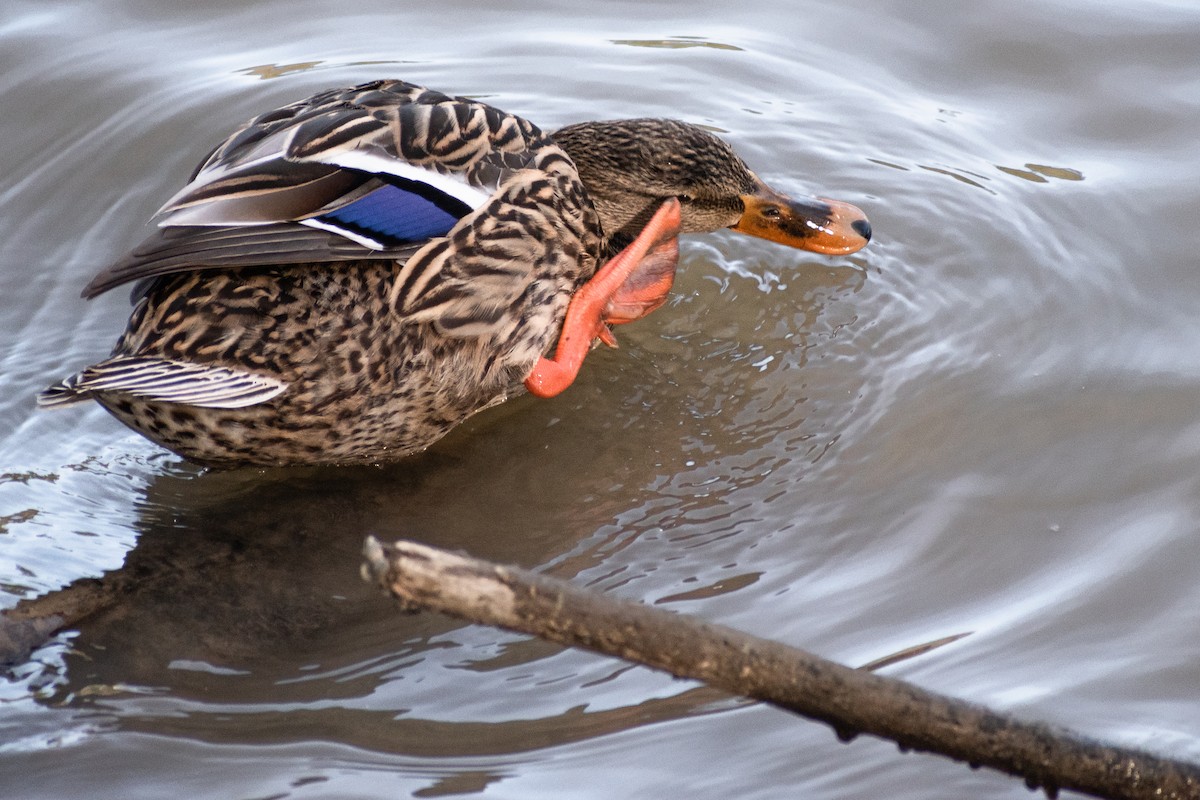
(851, 701)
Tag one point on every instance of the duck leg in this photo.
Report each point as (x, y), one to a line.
(631, 285)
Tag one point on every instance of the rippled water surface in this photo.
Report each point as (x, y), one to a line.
(987, 421)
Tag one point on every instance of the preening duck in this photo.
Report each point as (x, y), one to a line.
(345, 279)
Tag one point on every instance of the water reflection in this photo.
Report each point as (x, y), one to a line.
(270, 71)
(239, 612)
(676, 43)
(1041, 173)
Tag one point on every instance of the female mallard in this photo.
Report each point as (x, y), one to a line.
(347, 278)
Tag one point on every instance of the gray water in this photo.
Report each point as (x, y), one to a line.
(986, 422)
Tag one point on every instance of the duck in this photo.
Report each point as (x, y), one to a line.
(345, 279)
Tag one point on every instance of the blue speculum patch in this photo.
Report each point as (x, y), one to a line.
(400, 212)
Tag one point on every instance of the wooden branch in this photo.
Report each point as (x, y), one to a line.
(851, 701)
(28, 625)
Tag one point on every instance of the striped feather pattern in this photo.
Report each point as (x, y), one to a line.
(535, 230)
(167, 381)
(284, 187)
(187, 249)
(381, 128)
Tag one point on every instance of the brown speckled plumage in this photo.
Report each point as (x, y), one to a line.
(363, 386)
(268, 330)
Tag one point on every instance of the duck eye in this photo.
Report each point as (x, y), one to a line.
(685, 198)
(770, 212)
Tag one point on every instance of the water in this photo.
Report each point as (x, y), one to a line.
(984, 422)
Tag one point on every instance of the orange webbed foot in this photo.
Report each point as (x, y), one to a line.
(607, 298)
(647, 286)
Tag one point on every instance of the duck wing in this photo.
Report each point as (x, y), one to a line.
(374, 171)
(513, 263)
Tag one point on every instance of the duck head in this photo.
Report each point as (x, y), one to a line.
(631, 166)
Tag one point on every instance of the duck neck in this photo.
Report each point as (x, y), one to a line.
(603, 153)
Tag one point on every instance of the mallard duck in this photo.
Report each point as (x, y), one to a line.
(345, 279)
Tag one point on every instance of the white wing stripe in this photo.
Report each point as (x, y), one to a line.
(353, 236)
(455, 184)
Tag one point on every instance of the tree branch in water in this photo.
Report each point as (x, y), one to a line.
(851, 701)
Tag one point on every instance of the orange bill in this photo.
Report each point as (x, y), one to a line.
(816, 224)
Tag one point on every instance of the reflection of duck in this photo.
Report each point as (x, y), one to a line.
(348, 277)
